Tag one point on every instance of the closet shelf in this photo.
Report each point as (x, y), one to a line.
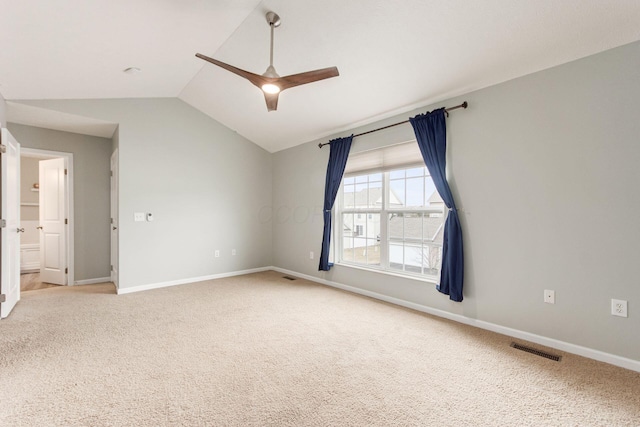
(29, 204)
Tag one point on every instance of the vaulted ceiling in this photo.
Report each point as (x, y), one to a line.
(393, 56)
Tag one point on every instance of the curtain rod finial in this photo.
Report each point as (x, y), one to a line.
(465, 104)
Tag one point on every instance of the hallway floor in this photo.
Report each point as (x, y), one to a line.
(31, 282)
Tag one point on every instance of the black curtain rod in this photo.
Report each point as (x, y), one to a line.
(446, 110)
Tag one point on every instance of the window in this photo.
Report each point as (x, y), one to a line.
(403, 227)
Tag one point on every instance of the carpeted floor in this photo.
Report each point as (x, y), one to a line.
(260, 350)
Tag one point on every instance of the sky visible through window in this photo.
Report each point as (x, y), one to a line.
(411, 187)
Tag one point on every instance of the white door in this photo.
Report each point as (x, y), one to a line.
(10, 234)
(114, 217)
(53, 220)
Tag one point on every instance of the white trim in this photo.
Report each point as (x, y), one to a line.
(114, 213)
(68, 162)
(29, 267)
(121, 291)
(92, 281)
(402, 274)
(30, 246)
(601, 356)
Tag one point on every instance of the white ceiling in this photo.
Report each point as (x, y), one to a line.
(393, 56)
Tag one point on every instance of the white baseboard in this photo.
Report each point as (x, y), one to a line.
(150, 286)
(92, 281)
(601, 356)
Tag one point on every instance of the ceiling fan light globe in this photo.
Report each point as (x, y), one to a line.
(270, 88)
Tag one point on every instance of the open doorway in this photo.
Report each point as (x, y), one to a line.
(46, 219)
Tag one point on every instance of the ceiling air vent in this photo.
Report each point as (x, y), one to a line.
(536, 352)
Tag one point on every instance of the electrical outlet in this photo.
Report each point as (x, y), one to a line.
(217, 254)
(619, 307)
(233, 251)
(311, 255)
(138, 216)
(549, 296)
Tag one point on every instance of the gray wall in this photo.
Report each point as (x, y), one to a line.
(205, 185)
(546, 170)
(91, 193)
(3, 112)
(29, 174)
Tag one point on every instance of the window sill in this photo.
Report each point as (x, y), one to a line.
(430, 280)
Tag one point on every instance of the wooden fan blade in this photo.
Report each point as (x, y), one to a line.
(272, 101)
(293, 80)
(256, 79)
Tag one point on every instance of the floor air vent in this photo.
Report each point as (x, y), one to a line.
(288, 277)
(536, 352)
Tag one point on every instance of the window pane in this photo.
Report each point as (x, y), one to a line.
(364, 193)
(415, 172)
(415, 192)
(373, 252)
(433, 227)
(396, 174)
(413, 226)
(348, 196)
(349, 180)
(396, 226)
(396, 256)
(347, 250)
(413, 258)
(432, 260)
(375, 195)
(374, 177)
(373, 239)
(396, 193)
(373, 226)
(360, 196)
(347, 237)
(360, 250)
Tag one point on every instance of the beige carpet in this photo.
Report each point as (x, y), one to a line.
(260, 350)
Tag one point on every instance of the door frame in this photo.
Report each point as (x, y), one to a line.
(68, 161)
(114, 252)
(9, 250)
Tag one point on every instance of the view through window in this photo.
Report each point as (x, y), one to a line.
(391, 220)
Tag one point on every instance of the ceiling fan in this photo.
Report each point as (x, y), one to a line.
(270, 82)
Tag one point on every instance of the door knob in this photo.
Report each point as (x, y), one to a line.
(39, 228)
(20, 230)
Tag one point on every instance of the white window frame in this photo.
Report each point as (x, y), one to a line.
(384, 213)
